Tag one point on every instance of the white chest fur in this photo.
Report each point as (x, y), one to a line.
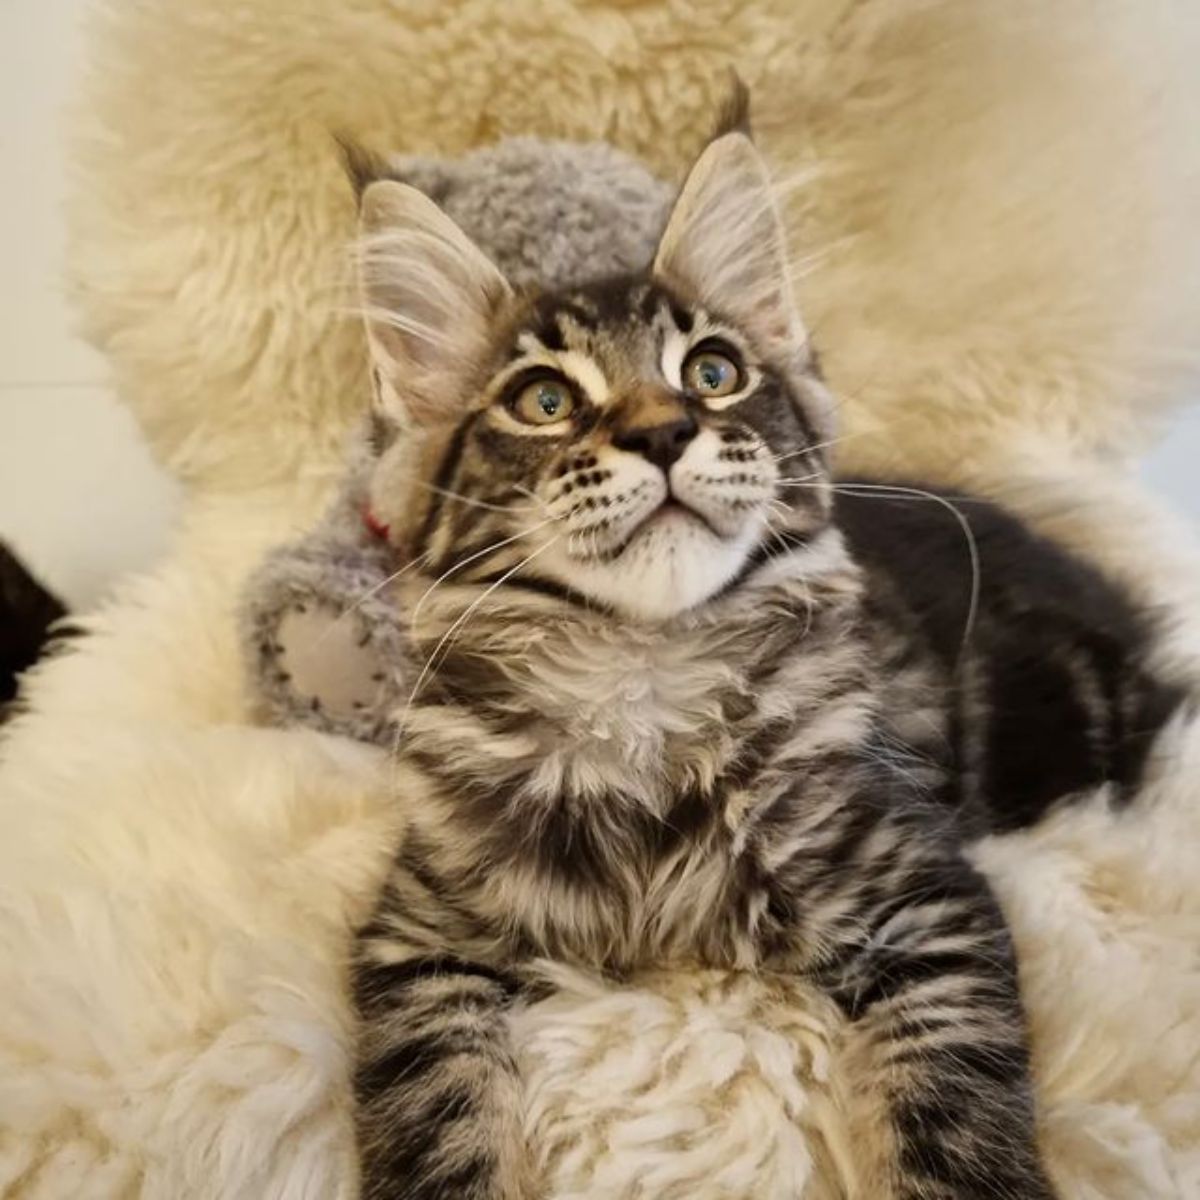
(623, 714)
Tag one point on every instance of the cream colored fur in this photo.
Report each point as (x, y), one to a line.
(1002, 224)
(1004, 262)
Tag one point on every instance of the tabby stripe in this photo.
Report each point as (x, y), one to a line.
(759, 748)
(912, 1025)
(388, 976)
(981, 1058)
(684, 321)
(411, 858)
(942, 1148)
(551, 588)
(547, 331)
(460, 553)
(426, 1053)
(443, 477)
(414, 1056)
(411, 1163)
(853, 834)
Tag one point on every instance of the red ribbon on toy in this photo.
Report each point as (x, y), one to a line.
(374, 524)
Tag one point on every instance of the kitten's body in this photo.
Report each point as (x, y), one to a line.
(1018, 670)
(774, 786)
(670, 717)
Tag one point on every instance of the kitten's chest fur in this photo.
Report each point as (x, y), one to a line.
(603, 800)
(637, 717)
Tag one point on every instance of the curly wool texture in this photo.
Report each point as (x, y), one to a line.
(997, 213)
(1003, 219)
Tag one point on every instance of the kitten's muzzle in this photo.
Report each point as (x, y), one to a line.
(661, 444)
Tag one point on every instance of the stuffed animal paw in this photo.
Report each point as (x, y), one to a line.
(325, 642)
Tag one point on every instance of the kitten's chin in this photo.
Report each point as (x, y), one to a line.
(674, 562)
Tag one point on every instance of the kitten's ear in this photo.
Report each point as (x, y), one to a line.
(430, 297)
(725, 245)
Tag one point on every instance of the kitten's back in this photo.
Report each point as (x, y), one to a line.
(1045, 662)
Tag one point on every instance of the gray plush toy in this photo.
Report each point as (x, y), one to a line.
(326, 645)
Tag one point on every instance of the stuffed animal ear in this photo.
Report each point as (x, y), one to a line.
(430, 298)
(724, 244)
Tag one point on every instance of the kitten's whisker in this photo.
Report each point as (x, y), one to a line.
(374, 590)
(816, 446)
(466, 562)
(801, 478)
(473, 503)
(397, 320)
(780, 510)
(869, 491)
(459, 622)
(781, 542)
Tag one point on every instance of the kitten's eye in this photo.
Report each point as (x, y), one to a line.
(543, 402)
(711, 373)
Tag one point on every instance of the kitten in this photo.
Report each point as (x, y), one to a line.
(683, 703)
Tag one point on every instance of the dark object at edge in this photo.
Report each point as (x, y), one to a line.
(27, 610)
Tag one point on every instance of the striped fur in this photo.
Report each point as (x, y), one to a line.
(678, 709)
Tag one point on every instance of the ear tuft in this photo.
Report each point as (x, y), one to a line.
(724, 245)
(734, 114)
(362, 166)
(430, 298)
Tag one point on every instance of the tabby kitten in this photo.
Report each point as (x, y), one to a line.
(668, 716)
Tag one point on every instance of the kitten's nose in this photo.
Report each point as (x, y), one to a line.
(662, 443)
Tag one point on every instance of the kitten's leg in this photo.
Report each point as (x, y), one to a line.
(936, 1057)
(439, 1113)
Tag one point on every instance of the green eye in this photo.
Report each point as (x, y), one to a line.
(711, 373)
(543, 402)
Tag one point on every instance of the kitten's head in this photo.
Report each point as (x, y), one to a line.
(629, 441)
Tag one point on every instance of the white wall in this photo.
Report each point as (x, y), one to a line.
(80, 498)
(1174, 467)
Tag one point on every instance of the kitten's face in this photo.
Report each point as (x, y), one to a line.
(622, 444)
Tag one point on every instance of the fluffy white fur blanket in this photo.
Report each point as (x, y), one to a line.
(999, 215)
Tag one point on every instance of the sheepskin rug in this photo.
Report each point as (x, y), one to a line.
(994, 207)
